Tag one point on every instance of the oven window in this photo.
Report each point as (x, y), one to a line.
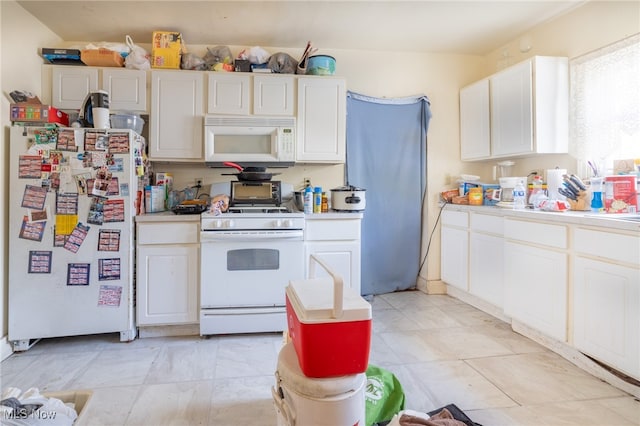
(255, 259)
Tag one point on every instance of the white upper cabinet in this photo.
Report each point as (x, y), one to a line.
(321, 120)
(127, 88)
(475, 142)
(529, 112)
(274, 95)
(70, 85)
(244, 94)
(177, 105)
(229, 93)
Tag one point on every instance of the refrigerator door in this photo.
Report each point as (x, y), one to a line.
(71, 215)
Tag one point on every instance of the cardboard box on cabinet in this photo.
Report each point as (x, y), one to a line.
(166, 49)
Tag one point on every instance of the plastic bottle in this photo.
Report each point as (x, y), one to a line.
(596, 195)
(519, 196)
(308, 200)
(536, 188)
(317, 200)
(325, 203)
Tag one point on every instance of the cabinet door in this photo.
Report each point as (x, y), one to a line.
(321, 120)
(167, 284)
(454, 256)
(70, 86)
(273, 95)
(228, 94)
(485, 268)
(343, 257)
(127, 89)
(535, 281)
(475, 142)
(606, 312)
(512, 111)
(176, 130)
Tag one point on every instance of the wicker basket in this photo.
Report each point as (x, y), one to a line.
(101, 58)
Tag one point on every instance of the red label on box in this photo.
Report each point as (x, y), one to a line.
(621, 194)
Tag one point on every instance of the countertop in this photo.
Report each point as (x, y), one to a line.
(169, 216)
(586, 218)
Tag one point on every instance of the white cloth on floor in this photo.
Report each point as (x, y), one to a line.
(53, 411)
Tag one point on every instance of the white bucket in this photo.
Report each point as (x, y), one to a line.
(301, 400)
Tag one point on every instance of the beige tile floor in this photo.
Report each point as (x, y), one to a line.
(442, 351)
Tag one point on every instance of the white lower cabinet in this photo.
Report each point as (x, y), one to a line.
(486, 251)
(536, 276)
(454, 246)
(167, 273)
(337, 242)
(606, 300)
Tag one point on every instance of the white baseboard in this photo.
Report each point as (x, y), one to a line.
(432, 286)
(5, 348)
(478, 303)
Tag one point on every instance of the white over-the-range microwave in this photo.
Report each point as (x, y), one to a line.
(250, 140)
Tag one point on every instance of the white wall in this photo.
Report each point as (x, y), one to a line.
(20, 71)
(382, 74)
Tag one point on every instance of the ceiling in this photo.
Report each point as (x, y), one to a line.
(464, 27)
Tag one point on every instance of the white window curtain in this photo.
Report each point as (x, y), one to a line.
(605, 106)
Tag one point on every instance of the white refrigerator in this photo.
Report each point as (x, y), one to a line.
(73, 197)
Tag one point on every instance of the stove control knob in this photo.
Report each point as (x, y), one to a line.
(229, 223)
(217, 224)
(277, 223)
(288, 223)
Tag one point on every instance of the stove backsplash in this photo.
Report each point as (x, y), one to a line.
(185, 175)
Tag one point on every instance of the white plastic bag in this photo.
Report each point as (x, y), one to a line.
(138, 58)
(121, 48)
(255, 55)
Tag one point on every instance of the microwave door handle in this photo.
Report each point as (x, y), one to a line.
(274, 141)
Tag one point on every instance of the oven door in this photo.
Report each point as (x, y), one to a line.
(248, 268)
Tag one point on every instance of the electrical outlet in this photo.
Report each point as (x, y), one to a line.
(198, 182)
(305, 182)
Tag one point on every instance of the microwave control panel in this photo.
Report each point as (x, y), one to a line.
(287, 142)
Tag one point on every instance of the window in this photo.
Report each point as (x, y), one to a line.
(605, 106)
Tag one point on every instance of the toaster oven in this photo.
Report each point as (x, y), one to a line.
(255, 193)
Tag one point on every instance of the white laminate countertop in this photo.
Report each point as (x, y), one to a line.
(586, 218)
(169, 216)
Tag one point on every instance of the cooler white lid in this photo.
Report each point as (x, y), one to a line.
(290, 375)
(312, 301)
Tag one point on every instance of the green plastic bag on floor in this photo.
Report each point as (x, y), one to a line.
(384, 396)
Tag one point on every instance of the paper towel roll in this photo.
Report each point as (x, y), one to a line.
(554, 181)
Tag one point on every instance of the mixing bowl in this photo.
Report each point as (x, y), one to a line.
(127, 121)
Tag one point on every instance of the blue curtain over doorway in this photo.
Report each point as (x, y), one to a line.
(386, 156)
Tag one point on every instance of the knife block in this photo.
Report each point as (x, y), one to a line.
(583, 203)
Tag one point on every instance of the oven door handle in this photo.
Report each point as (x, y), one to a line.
(212, 236)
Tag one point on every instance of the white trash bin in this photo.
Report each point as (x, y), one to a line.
(302, 401)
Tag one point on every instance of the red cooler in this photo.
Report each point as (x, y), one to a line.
(330, 326)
